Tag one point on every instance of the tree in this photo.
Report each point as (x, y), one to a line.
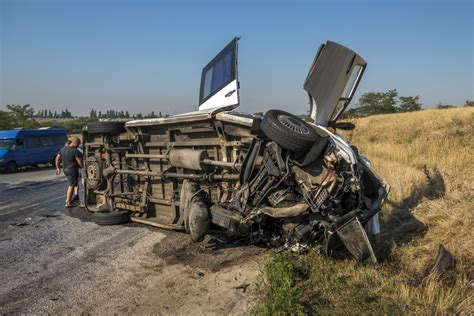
(441, 106)
(409, 104)
(469, 103)
(378, 102)
(21, 116)
(66, 114)
(373, 103)
(6, 121)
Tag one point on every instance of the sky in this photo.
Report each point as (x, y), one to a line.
(145, 56)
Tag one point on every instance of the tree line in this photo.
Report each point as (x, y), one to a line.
(112, 114)
(65, 114)
(373, 103)
(24, 116)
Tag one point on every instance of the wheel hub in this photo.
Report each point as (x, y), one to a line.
(293, 124)
(93, 173)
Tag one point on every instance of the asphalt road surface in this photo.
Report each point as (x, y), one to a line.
(51, 262)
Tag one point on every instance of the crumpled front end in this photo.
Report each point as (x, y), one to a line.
(301, 201)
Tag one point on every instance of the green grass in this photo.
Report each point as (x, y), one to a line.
(280, 295)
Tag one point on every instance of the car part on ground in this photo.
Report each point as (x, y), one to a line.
(111, 218)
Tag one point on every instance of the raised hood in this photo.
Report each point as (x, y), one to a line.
(332, 81)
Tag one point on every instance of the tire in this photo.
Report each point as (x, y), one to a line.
(12, 167)
(288, 131)
(93, 173)
(106, 127)
(187, 191)
(111, 218)
(199, 221)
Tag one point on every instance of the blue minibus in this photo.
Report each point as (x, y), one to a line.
(29, 147)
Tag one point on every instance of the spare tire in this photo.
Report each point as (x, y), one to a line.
(111, 218)
(106, 127)
(288, 131)
(93, 173)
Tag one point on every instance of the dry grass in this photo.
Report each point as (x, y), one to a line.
(427, 158)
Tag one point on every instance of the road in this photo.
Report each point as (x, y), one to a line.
(52, 262)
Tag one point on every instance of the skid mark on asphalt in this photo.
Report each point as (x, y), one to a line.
(29, 206)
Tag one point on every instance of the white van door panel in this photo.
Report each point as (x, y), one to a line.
(226, 97)
(219, 80)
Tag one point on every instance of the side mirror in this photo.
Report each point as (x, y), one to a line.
(13, 147)
(347, 126)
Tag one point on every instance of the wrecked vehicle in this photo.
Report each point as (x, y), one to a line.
(216, 170)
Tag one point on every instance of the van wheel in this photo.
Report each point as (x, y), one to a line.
(198, 221)
(12, 167)
(288, 131)
(188, 190)
(111, 218)
(106, 127)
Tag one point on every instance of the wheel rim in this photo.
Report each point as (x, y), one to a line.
(293, 124)
(93, 175)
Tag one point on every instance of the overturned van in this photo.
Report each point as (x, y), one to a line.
(219, 171)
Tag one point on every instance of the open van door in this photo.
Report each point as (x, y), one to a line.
(219, 81)
(332, 81)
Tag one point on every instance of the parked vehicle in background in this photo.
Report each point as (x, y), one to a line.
(274, 179)
(29, 147)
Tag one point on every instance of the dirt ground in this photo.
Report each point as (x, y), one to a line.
(52, 262)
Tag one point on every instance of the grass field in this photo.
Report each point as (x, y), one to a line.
(427, 158)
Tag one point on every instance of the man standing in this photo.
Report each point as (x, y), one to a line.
(72, 161)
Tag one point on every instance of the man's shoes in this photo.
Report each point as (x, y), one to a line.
(75, 200)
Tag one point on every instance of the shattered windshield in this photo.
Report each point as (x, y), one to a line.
(5, 143)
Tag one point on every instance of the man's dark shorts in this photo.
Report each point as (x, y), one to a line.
(72, 175)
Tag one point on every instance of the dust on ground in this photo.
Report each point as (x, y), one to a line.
(202, 278)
